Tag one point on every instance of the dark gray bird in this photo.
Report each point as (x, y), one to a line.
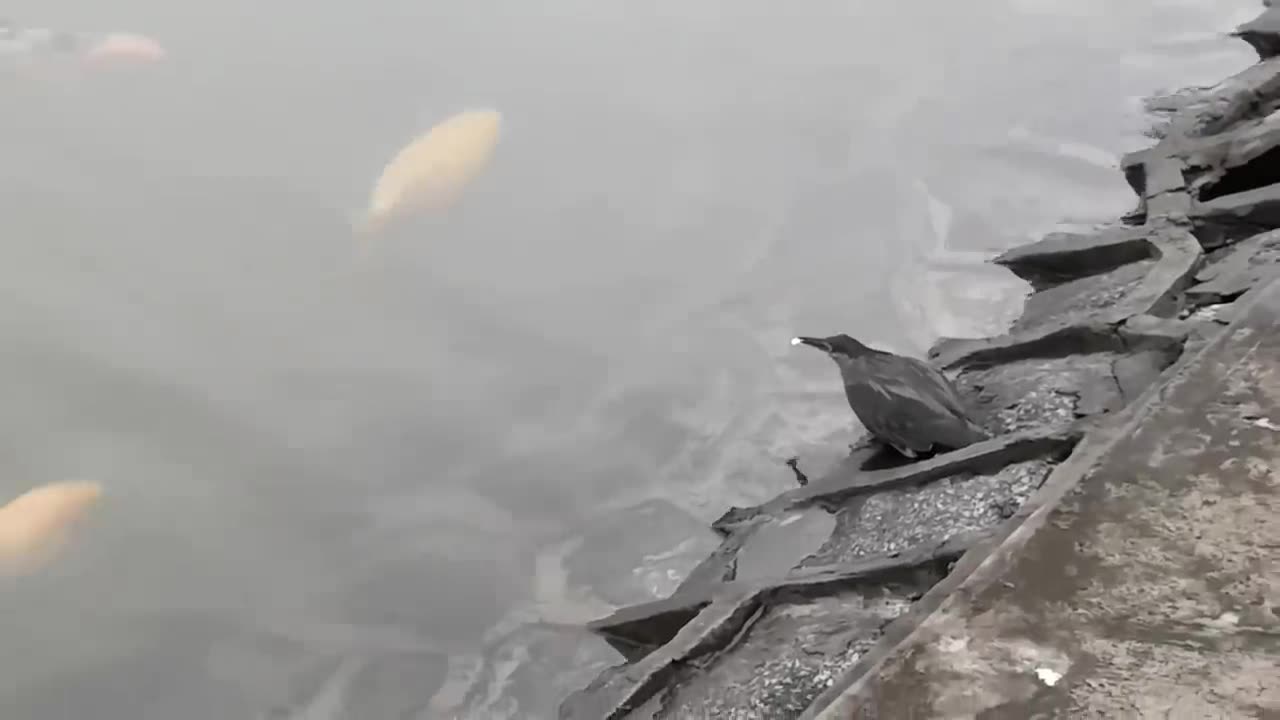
(903, 402)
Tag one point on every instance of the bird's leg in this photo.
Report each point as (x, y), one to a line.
(905, 451)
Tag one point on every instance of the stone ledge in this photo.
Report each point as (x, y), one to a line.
(1262, 33)
(719, 615)
(1112, 311)
(894, 680)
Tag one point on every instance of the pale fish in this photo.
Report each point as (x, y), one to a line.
(430, 173)
(35, 525)
(124, 48)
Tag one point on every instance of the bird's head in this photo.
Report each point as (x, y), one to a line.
(837, 346)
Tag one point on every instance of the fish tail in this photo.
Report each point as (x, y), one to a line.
(365, 227)
(365, 224)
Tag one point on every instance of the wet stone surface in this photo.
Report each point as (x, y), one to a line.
(793, 652)
(1230, 271)
(1082, 297)
(775, 549)
(1061, 257)
(1152, 590)
(1040, 392)
(894, 521)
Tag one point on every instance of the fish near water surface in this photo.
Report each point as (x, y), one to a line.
(432, 171)
(22, 46)
(35, 525)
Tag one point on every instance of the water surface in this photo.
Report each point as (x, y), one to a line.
(391, 489)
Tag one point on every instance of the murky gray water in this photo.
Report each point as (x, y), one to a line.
(383, 490)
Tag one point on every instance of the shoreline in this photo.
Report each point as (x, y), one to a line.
(830, 600)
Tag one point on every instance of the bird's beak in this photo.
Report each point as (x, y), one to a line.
(812, 342)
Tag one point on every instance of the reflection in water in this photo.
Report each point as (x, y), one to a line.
(397, 491)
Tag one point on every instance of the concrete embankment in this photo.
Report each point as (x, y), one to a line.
(1113, 551)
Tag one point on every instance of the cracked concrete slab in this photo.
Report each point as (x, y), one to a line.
(929, 514)
(1061, 256)
(1041, 391)
(1084, 297)
(847, 481)
(1153, 587)
(1090, 328)
(790, 654)
(1230, 272)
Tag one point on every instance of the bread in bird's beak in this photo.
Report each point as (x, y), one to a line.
(811, 342)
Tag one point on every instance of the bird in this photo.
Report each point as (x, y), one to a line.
(903, 402)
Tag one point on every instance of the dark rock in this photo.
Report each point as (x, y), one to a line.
(721, 626)
(1055, 339)
(1134, 165)
(638, 630)
(619, 690)
(1242, 161)
(1082, 300)
(1223, 219)
(1263, 32)
(1060, 257)
(1224, 105)
(1237, 269)
(1089, 330)
(838, 487)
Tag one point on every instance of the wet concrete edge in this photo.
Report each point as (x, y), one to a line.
(1159, 176)
(1172, 228)
(986, 563)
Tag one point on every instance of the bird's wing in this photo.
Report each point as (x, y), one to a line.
(892, 412)
(913, 424)
(918, 408)
(938, 386)
(906, 380)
